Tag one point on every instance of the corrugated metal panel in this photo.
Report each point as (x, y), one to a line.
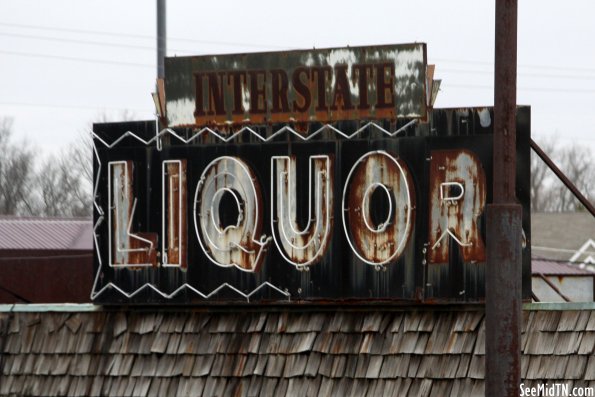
(45, 233)
(555, 268)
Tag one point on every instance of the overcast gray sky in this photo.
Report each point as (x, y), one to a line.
(64, 63)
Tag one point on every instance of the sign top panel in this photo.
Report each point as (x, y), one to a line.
(353, 83)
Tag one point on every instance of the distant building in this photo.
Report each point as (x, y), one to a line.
(563, 256)
(45, 260)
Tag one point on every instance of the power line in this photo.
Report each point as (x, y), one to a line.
(66, 106)
(67, 58)
(139, 36)
(538, 89)
(548, 75)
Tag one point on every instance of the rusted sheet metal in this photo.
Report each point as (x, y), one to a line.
(334, 217)
(378, 243)
(353, 83)
(458, 194)
(302, 245)
(174, 225)
(128, 249)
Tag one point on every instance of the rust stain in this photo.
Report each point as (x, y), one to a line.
(131, 250)
(453, 215)
(177, 214)
(379, 243)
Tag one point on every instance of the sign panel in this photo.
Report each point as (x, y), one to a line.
(353, 83)
(350, 211)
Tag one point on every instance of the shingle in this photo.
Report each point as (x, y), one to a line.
(249, 365)
(285, 343)
(480, 342)
(590, 371)
(546, 320)
(261, 364)
(582, 321)
(85, 343)
(268, 387)
(228, 367)
(426, 322)
(567, 342)
(372, 322)
(256, 322)
(411, 321)
(559, 367)
(440, 388)
(303, 342)
(203, 364)
(422, 342)
(338, 366)
(39, 342)
(60, 364)
(120, 324)
(323, 342)
(358, 388)
(326, 387)
(313, 364)
(389, 367)
(414, 361)
(378, 343)
(591, 324)
(362, 366)
(525, 359)
(345, 343)
(408, 342)
(42, 365)
(576, 367)
(396, 322)
(297, 387)
(326, 365)
(540, 343)
(155, 388)
(313, 386)
(467, 321)
(195, 323)
(420, 388)
(173, 344)
(74, 322)
(477, 367)
(403, 366)
(425, 366)
(295, 365)
(374, 367)
(587, 343)
(160, 343)
(13, 344)
(568, 320)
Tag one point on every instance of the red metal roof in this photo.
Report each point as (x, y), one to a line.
(549, 267)
(45, 233)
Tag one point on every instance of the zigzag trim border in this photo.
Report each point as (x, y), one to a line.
(157, 140)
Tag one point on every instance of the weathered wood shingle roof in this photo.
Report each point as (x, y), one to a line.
(431, 352)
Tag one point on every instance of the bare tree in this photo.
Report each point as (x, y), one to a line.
(16, 174)
(541, 177)
(62, 186)
(548, 193)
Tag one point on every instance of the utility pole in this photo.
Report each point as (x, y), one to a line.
(161, 38)
(504, 221)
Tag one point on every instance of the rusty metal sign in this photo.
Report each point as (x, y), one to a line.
(302, 176)
(298, 87)
(353, 212)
